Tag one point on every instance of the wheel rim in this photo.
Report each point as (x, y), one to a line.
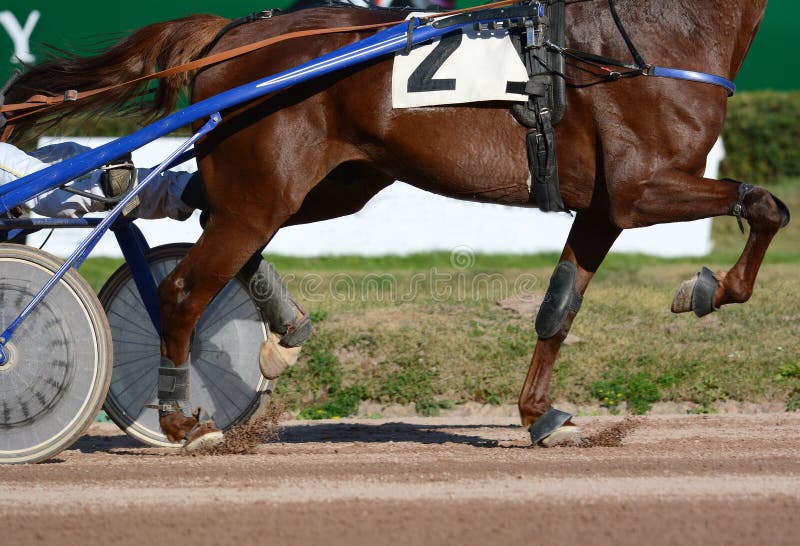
(58, 360)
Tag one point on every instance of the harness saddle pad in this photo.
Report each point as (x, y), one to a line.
(460, 67)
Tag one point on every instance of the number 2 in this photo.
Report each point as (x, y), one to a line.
(422, 77)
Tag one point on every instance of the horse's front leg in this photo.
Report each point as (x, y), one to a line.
(589, 241)
(226, 244)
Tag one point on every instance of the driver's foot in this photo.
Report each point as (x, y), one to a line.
(119, 178)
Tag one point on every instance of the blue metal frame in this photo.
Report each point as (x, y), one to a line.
(87, 245)
(10, 228)
(134, 247)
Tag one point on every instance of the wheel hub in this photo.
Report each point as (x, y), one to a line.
(7, 360)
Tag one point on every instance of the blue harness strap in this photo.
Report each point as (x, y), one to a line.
(676, 73)
(691, 75)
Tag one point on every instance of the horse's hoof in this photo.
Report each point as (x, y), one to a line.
(176, 426)
(203, 435)
(683, 299)
(565, 436)
(547, 424)
(697, 294)
(274, 358)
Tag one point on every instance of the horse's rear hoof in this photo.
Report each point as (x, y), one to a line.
(566, 436)
(683, 299)
(202, 436)
(697, 294)
(274, 358)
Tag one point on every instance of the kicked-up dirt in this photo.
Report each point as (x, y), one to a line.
(699, 479)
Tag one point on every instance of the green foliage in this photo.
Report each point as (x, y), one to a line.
(638, 390)
(323, 369)
(641, 393)
(430, 407)
(407, 385)
(706, 390)
(340, 404)
(413, 382)
(679, 373)
(318, 316)
(791, 373)
(320, 375)
(609, 392)
(761, 136)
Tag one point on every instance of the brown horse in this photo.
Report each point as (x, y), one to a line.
(631, 152)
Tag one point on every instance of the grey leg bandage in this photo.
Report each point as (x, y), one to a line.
(560, 299)
(283, 315)
(173, 386)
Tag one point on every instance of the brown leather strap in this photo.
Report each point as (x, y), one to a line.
(38, 103)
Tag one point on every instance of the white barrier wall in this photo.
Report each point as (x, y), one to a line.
(402, 219)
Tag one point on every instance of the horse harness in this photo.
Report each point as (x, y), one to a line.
(539, 40)
(547, 100)
(542, 47)
(540, 43)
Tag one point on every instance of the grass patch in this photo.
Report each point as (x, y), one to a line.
(415, 329)
(341, 403)
(316, 384)
(411, 380)
(790, 374)
(639, 391)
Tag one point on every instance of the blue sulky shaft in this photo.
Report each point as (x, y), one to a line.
(86, 246)
(382, 43)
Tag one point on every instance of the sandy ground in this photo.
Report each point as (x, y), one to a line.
(716, 479)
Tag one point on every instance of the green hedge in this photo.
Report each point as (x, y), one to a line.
(762, 137)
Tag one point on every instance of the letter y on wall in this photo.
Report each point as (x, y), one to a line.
(20, 35)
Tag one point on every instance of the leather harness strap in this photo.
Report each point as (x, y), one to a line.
(41, 101)
(37, 103)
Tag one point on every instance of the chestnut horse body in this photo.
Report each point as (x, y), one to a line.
(631, 152)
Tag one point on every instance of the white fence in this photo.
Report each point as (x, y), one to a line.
(402, 219)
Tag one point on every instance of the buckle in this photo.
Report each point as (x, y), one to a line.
(70, 95)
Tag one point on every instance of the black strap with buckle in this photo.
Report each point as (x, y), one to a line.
(543, 163)
(738, 209)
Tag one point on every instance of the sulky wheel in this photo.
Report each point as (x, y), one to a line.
(58, 362)
(225, 377)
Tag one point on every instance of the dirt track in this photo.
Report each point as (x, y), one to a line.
(719, 479)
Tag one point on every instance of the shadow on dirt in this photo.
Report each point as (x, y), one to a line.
(294, 433)
(391, 432)
(248, 438)
(91, 443)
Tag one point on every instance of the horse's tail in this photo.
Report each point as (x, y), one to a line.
(145, 51)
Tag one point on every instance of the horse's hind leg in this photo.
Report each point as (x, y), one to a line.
(676, 196)
(707, 291)
(588, 243)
